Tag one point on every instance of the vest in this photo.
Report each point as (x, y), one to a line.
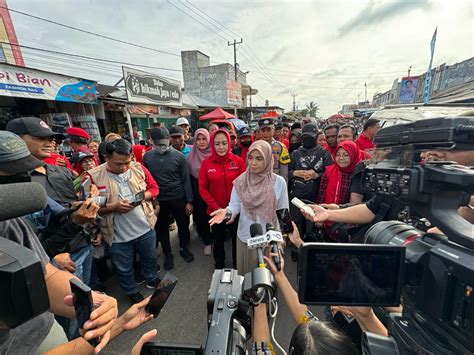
(280, 155)
(109, 189)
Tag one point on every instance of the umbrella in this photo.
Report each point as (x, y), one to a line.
(270, 114)
(217, 114)
(335, 117)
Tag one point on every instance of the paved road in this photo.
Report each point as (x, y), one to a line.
(184, 318)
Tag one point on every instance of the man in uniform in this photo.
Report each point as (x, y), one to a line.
(281, 158)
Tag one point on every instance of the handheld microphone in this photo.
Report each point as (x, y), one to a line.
(21, 199)
(257, 240)
(274, 246)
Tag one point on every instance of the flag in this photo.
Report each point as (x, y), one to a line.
(426, 89)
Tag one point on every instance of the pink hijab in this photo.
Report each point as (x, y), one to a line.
(256, 191)
(196, 155)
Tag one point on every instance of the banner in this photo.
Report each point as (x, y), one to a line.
(234, 93)
(37, 84)
(148, 88)
(408, 89)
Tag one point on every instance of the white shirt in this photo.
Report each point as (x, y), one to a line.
(245, 221)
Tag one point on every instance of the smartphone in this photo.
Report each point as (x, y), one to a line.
(83, 304)
(160, 296)
(85, 189)
(350, 274)
(285, 220)
(301, 205)
(139, 197)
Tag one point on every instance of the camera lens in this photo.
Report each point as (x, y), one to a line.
(392, 233)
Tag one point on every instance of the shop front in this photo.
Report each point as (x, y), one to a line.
(61, 101)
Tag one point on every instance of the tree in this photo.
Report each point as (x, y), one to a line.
(312, 108)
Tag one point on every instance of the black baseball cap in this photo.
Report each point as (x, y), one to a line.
(160, 136)
(310, 129)
(15, 157)
(244, 131)
(176, 131)
(266, 122)
(33, 126)
(79, 156)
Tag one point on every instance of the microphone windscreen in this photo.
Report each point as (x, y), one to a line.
(21, 199)
(269, 227)
(255, 229)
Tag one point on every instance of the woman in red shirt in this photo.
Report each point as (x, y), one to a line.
(216, 178)
(336, 181)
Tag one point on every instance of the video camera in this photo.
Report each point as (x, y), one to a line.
(438, 276)
(230, 301)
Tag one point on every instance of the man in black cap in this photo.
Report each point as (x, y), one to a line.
(57, 180)
(170, 170)
(281, 158)
(308, 164)
(177, 140)
(244, 136)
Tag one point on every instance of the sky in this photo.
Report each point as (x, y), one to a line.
(322, 51)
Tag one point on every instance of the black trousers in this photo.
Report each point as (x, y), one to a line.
(177, 208)
(200, 216)
(218, 233)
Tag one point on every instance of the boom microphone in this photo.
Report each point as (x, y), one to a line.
(274, 247)
(21, 199)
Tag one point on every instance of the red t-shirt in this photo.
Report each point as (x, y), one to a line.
(58, 160)
(364, 143)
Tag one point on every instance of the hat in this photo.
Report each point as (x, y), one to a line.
(14, 155)
(176, 131)
(160, 136)
(79, 132)
(265, 122)
(33, 126)
(79, 156)
(310, 129)
(278, 124)
(182, 120)
(244, 131)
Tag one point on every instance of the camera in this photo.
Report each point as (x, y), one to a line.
(438, 277)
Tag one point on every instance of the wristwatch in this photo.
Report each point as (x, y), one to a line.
(228, 214)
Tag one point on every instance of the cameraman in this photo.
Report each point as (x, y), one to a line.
(381, 207)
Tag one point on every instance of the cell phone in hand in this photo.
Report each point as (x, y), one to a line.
(138, 199)
(301, 205)
(160, 296)
(85, 189)
(83, 304)
(285, 220)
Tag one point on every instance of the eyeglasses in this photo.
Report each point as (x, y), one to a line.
(342, 156)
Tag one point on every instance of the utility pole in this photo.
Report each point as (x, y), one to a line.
(235, 54)
(294, 102)
(365, 84)
(358, 99)
(409, 70)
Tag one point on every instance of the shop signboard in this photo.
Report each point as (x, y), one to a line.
(234, 93)
(146, 88)
(37, 84)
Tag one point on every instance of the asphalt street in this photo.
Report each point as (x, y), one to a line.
(183, 320)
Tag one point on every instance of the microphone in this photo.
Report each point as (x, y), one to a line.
(21, 199)
(257, 240)
(274, 246)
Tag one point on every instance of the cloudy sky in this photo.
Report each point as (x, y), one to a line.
(322, 51)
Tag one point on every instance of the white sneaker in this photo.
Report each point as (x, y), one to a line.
(208, 250)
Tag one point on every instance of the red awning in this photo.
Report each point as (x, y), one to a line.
(270, 114)
(217, 114)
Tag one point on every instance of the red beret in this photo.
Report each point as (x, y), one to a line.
(76, 131)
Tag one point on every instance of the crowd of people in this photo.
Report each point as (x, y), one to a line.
(117, 200)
